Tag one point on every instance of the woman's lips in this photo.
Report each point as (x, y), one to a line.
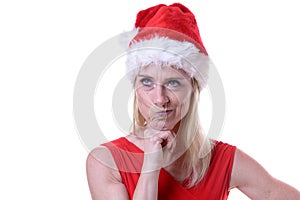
(164, 113)
(160, 113)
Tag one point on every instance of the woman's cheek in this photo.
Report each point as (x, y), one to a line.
(144, 110)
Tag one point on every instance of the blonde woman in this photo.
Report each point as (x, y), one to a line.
(167, 155)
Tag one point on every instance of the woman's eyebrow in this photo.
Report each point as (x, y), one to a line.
(175, 78)
(144, 76)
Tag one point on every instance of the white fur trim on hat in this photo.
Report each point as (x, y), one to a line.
(163, 50)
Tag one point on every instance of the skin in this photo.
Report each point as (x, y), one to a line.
(163, 99)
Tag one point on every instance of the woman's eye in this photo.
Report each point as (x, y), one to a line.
(173, 83)
(146, 82)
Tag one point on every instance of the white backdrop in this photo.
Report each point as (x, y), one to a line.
(43, 45)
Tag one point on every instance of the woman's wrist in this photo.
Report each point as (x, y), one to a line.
(147, 187)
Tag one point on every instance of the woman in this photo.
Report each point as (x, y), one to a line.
(167, 155)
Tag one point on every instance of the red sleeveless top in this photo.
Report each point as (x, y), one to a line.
(214, 185)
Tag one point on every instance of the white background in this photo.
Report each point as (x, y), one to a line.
(43, 44)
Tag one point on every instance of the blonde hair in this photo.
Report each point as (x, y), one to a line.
(198, 147)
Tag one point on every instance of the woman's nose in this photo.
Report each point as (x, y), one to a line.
(160, 96)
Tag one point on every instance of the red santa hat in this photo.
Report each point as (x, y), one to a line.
(168, 35)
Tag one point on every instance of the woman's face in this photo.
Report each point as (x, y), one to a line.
(163, 95)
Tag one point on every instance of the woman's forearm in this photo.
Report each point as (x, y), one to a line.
(147, 186)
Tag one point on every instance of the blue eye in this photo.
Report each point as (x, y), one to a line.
(146, 82)
(173, 83)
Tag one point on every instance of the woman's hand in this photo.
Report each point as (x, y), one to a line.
(158, 149)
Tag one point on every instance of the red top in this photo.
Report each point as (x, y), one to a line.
(214, 185)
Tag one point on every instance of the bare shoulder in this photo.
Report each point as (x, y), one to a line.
(254, 181)
(103, 176)
(100, 160)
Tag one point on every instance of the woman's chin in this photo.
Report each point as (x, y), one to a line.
(161, 125)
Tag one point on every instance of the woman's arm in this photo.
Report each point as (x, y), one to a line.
(154, 158)
(147, 187)
(255, 182)
(104, 180)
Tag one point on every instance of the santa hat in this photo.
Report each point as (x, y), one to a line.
(168, 35)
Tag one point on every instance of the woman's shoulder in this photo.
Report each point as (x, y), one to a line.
(101, 170)
(103, 154)
(119, 142)
(223, 153)
(220, 146)
(123, 145)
